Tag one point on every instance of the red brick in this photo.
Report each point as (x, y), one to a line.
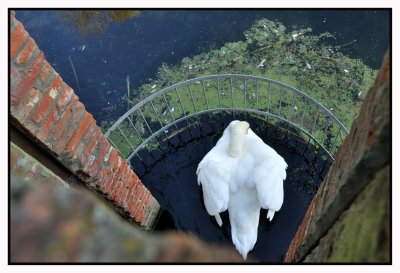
(90, 147)
(47, 125)
(22, 112)
(47, 100)
(26, 52)
(15, 76)
(27, 80)
(64, 120)
(82, 147)
(105, 180)
(135, 197)
(112, 187)
(78, 133)
(139, 213)
(63, 141)
(90, 131)
(46, 71)
(126, 198)
(93, 170)
(147, 199)
(18, 36)
(121, 183)
(65, 98)
(121, 195)
(118, 186)
(113, 159)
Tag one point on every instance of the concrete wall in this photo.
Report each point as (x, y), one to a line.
(48, 111)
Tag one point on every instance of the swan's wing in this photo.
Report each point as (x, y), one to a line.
(268, 177)
(214, 176)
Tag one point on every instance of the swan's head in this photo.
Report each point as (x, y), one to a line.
(238, 130)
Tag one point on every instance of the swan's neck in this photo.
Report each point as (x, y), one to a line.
(236, 143)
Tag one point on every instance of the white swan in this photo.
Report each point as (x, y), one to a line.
(242, 174)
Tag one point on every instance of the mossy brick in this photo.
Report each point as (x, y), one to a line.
(28, 77)
(47, 125)
(78, 133)
(65, 98)
(47, 100)
(26, 52)
(18, 36)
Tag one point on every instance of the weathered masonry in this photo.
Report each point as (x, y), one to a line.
(49, 113)
(348, 219)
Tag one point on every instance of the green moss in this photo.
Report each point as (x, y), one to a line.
(297, 58)
(362, 232)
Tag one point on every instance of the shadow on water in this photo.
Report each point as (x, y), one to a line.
(170, 174)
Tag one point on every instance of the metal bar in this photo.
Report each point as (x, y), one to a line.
(231, 92)
(245, 96)
(325, 130)
(245, 93)
(127, 140)
(269, 96)
(244, 78)
(257, 94)
(291, 112)
(219, 93)
(112, 142)
(302, 119)
(180, 102)
(154, 109)
(169, 110)
(224, 76)
(315, 121)
(280, 101)
(205, 96)
(134, 127)
(191, 96)
(334, 143)
(145, 121)
(236, 110)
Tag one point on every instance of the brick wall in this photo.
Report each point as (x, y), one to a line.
(48, 111)
(363, 155)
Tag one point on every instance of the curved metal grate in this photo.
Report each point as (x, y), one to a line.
(161, 112)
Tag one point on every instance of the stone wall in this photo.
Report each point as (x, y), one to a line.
(348, 220)
(53, 222)
(48, 111)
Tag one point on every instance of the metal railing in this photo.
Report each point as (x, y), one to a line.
(161, 112)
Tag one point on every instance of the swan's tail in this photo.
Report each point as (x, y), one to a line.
(270, 214)
(218, 219)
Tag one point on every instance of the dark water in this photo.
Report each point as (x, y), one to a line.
(173, 182)
(138, 46)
